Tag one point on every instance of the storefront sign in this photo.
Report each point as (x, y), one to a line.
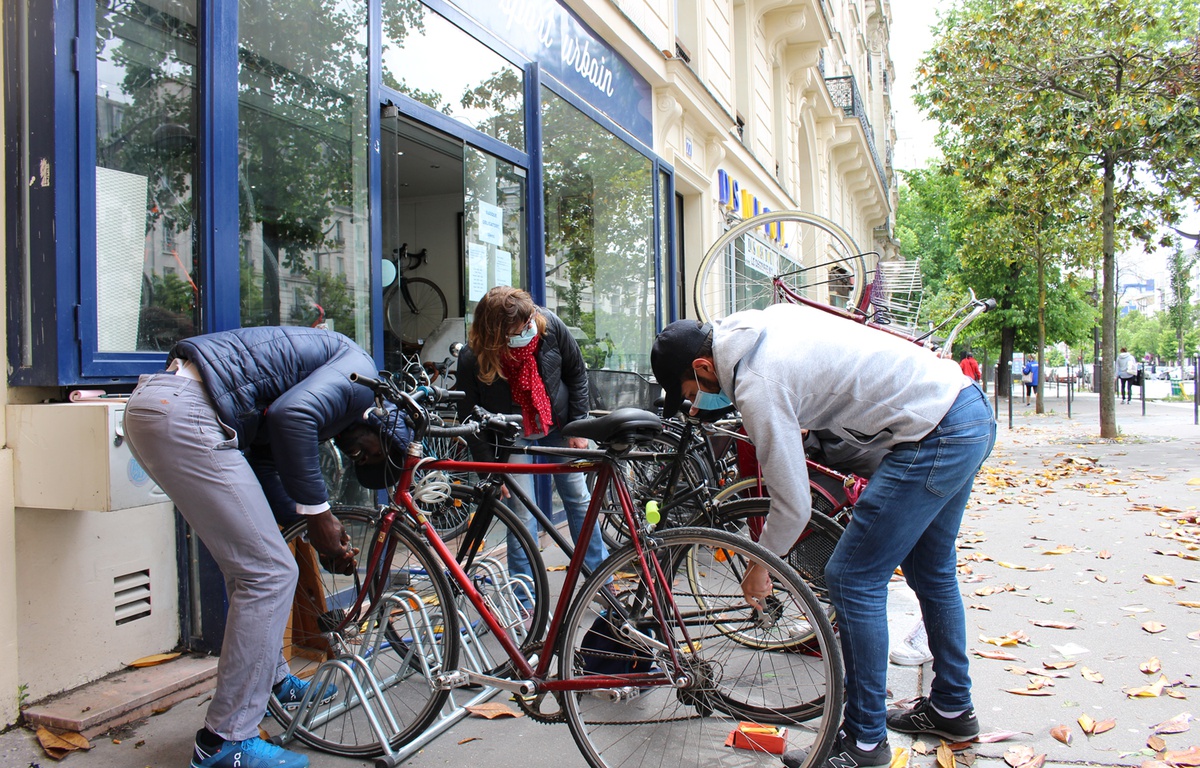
(549, 34)
(733, 198)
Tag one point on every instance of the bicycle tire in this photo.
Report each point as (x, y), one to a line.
(402, 665)
(482, 545)
(830, 268)
(413, 325)
(727, 681)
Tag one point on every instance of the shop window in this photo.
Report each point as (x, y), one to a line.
(600, 237)
(482, 89)
(302, 163)
(146, 225)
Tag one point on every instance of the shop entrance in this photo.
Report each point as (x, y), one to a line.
(453, 225)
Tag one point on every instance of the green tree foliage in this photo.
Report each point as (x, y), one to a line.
(1106, 85)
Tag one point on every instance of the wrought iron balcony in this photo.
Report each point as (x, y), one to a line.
(843, 91)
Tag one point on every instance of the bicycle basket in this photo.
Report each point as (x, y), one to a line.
(610, 389)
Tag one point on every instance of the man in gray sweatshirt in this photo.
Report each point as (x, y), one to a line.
(791, 367)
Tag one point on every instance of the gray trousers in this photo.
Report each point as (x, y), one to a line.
(175, 435)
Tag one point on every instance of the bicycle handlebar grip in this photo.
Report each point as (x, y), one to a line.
(440, 395)
(366, 381)
(461, 430)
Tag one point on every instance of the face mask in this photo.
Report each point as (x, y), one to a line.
(523, 338)
(709, 401)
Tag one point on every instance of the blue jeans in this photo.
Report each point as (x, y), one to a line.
(572, 489)
(909, 516)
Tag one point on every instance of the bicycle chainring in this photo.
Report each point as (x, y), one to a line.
(544, 707)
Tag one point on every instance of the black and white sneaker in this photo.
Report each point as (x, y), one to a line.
(845, 754)
(924, 719)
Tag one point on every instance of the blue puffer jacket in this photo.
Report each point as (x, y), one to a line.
(283, 390)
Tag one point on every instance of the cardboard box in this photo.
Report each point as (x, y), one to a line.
(758, 738)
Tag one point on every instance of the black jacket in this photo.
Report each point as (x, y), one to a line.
(282, 391)
(560, 364)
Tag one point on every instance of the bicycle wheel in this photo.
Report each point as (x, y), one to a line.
(647, 481)
(413, 324)
(490, 548)
(804, 258)
(449, 515)
(724, 680)
(403, 641)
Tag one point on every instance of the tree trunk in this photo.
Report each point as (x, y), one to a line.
(1041, 333)
(1108, 322)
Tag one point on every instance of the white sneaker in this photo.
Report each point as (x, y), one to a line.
(913, 650)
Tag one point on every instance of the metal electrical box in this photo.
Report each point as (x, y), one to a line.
(74, 456)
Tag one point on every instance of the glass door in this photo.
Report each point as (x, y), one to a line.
(494, 225)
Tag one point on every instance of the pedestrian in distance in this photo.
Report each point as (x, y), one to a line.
(1127, 370)
(231, 432)
(789, 367)
(521, 358)
(1029, 377)
(970, 367)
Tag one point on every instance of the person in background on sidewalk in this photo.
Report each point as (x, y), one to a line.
(231, 432)
(521, 358)
(1029, 376)
(789, 367)
(1126, 374)
(970, 367)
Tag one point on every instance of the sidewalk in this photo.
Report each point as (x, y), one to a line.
(1062, 531)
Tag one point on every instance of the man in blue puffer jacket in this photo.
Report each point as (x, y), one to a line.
(231, 432)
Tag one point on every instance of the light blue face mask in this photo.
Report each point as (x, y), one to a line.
(523, 338)
(709, 401)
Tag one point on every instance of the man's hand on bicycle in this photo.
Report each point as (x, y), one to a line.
(328, 536)
(756, 585)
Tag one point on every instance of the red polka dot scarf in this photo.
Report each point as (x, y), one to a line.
(528, 389)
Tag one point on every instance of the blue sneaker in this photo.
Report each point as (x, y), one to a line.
(290, 691)
(251, 753)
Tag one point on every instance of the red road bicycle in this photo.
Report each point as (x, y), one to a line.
(655, 658)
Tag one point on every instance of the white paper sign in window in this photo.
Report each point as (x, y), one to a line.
(477, 269)
(491, 223)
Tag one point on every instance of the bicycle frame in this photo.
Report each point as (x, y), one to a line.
(588, 461)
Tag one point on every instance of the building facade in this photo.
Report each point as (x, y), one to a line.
(175, 167)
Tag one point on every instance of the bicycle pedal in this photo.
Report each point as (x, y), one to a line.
(450, 680)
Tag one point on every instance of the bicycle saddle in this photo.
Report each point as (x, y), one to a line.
(621, 428)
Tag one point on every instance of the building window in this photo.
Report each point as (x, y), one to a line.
(600, 246)
(302, 173)
(146, 224)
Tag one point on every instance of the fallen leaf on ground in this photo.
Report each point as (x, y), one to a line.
(1091, 674)
(553, 568)
(1030, 691)
(1188, 603)
(1177, 724)
(1086, 723)
(1053, 624)
(1187, 757)
(1101, 579)
(920, 747)
(1151, 665)
(1014, 566)
(1061, 549)
(58, 745)
(1162, 581)
(899, 757)
(1059, 664)
(945, 756)
(1104, 554)
(492, 710)
(1156, 743)
(157, 658)
(467, 740)
(994, 736)
(1194, 635)
(996, 655)
(1104, 725)
(1148, 691)
(1154, 627)
(1061, 733)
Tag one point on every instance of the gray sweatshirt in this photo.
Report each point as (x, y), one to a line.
(789, 367)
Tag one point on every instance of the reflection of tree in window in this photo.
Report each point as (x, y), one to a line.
(302, 146)
(599, 235)
(145, 126)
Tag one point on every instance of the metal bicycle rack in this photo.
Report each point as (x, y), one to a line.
(505, 596)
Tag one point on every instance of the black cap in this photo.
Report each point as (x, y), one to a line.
(672, 355)
(394, 434)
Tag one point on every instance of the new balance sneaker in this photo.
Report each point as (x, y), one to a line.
(913, 651)
(924, 719)
(251, 753)
(290, 691)
(845, 754)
